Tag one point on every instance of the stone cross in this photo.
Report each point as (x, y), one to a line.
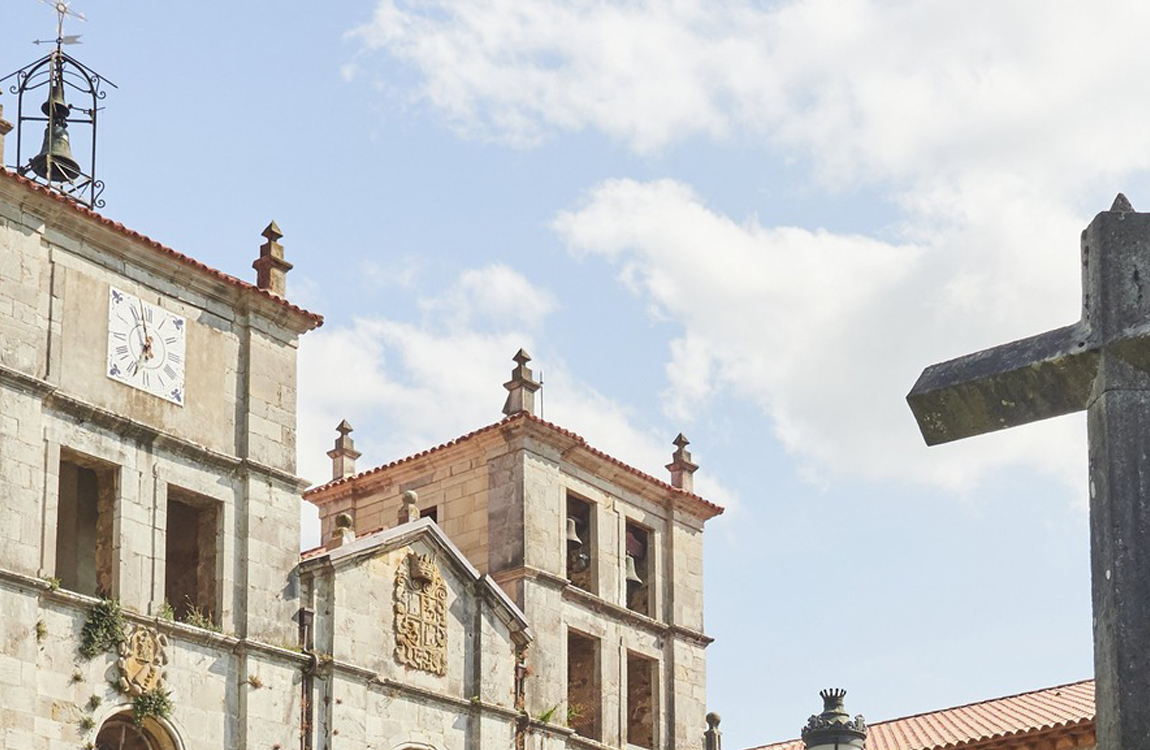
(1100, 364)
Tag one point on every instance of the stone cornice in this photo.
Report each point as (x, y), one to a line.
(79, 409)
(75, 223)
(515, 430)
(171, 628)
(597, 604)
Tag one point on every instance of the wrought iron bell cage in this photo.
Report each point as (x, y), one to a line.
(65, 83)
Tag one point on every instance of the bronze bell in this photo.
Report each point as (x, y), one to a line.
(633, 578)
(55, 106)
(55, 162)
(573, 539)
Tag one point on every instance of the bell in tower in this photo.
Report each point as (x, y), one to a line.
(55, 163)
(73, 97)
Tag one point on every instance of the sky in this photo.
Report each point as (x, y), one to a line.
(752, 222)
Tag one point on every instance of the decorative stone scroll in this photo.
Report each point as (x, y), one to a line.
(421, 615)
(143, 656)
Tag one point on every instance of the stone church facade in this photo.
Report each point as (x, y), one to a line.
(515, 588)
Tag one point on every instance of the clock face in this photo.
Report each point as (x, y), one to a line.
(146, 346)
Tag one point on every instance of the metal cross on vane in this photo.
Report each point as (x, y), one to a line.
(1100, 364)
(62, 9)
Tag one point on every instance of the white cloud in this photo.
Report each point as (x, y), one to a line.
(986, 123)
(497, 295)
(866, 87)
(406, 386)
(825, 332)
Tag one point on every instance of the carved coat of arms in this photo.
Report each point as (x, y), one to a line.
(143, 656)
(421, 615)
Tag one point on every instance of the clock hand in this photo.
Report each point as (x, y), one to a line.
(146, 350)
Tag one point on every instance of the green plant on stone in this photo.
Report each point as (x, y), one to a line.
(77, 676)
(198, 618)
(53, 583)
(549, 714)
(103, 630)
(167, 611)
(94, 702)
(156, 703)
(87, 723)
(574, 712)
(41, 630)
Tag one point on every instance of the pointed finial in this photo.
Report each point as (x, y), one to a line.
(521, 388)
(271, 268)
(343, 455)
(681, 467)
(1122, 205)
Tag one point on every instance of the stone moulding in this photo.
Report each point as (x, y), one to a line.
(421, 614)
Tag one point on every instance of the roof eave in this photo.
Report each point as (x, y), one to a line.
(59, 209)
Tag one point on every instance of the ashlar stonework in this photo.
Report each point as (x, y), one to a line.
(446, 632)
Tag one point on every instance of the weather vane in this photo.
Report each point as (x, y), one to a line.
(62, 9)
(62, 77)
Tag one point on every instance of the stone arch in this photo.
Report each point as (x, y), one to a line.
(121, 732)
(413, 746)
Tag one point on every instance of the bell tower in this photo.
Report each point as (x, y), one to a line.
(71, 95)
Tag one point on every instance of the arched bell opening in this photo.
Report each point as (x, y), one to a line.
(122, 732)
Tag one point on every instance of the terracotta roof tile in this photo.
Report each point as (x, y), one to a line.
(712, 508)
(315, 319)
(308, 554)
(1063, 706)
(321, 550)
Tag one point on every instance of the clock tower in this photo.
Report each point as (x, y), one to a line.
(147, 445)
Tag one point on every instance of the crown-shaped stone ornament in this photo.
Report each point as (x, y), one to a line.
(834, 728)
(421, 568)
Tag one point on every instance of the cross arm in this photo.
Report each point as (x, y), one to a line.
(1023, 381)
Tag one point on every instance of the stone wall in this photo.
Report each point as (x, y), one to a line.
(366, 696)
(529, 472)
(455, 483)
(224, 692)
(232, 442)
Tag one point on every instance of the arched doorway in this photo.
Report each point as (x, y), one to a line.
(121, 732)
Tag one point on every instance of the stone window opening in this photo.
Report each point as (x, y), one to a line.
(580, 543)
(431, 512)
(584, 691)
(637, 571)
(191, 555)
(640, 701)
(84, 525)
(122, 732)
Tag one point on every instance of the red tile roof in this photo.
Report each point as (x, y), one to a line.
(999, 720)
(314, 319)
(711, 508)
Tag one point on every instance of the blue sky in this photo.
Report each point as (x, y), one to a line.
(751, 222)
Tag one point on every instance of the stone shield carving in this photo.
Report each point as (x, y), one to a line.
(143, 656)
(421, 615)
